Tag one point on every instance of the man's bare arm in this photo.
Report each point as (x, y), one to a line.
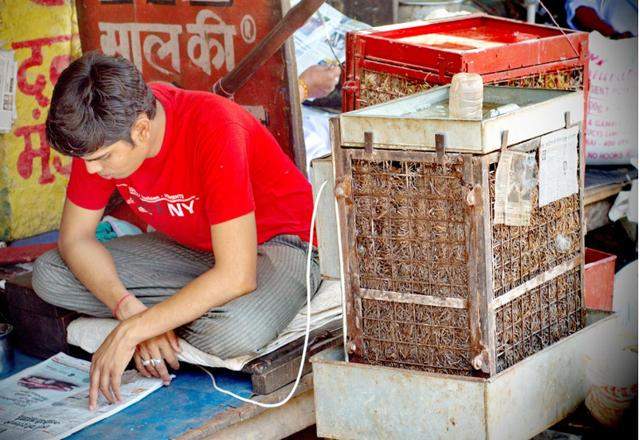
(87, 258)
(234, 274)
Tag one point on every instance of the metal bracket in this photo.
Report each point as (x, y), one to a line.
(342, 190)
(481, 361)
(504, 141)
(441, 142)
(368, 142)
(474, 196)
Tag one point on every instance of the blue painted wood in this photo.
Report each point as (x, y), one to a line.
(187, 403)
(21, 361)
(47, 237)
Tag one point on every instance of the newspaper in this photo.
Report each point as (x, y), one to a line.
(50, 399)
(558, 165)
(322, 39)
(515, 181)
(8, 75)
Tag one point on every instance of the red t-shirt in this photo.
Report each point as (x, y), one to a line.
(217, 162)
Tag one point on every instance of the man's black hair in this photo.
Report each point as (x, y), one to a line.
(95, 103)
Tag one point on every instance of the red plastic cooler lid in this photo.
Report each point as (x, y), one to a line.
(475, 43)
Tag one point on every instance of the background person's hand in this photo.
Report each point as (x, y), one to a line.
(320, 81)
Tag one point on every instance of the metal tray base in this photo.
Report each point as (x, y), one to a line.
(355, 401)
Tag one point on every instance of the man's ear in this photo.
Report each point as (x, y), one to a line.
(141, 130)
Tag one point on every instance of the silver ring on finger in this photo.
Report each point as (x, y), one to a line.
(146, 362)
(155, 362)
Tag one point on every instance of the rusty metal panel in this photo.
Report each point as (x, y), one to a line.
(193, 43)
(406, 297)
(363, 401)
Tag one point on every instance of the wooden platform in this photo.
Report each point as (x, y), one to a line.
(190, 408)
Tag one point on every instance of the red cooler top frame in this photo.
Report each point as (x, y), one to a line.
(497, 48)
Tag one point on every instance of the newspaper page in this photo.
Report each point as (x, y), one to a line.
(515, 182)
(558, 165)
(8, 74)
(50, 399)
(322, 39)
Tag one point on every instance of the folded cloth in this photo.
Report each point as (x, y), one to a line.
(326, 306)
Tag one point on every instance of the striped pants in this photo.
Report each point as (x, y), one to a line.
(153, 267)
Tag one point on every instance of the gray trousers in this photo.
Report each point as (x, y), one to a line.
(152, 267)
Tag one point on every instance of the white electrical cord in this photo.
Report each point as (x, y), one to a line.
(306, 336)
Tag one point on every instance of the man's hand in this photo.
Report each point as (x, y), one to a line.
(150, 356)
(108, 364)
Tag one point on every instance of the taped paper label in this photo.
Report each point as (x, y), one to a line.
(558, 165)
(515, 181)
(8, 73)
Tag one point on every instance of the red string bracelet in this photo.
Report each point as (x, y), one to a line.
(120, 301)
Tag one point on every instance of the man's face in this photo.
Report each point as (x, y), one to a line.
(115, 161)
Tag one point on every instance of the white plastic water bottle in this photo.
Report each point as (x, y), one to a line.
(465, 96)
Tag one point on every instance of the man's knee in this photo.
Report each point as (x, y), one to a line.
(230, 335)
(48, 270)
(253, 333)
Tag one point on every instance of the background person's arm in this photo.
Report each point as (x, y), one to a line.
(587, 19)
(319, 81)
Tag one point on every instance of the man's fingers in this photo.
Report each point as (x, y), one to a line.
(146, 357)
(93, 388)
(161, 368)
(164, 373)
(115, 386)
(138, 360)
(169, 355)
(173, 340)
(104, 386)
(139, 357)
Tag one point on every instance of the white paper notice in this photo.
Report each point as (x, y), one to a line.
(612, 120)
(8, 69)
(558, 176)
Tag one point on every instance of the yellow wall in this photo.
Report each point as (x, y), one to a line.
(32, 183)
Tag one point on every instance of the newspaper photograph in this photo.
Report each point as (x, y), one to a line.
(322, 39)
(50, 399)
(516, 178)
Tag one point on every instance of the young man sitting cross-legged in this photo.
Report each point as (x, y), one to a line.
(226, 269)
